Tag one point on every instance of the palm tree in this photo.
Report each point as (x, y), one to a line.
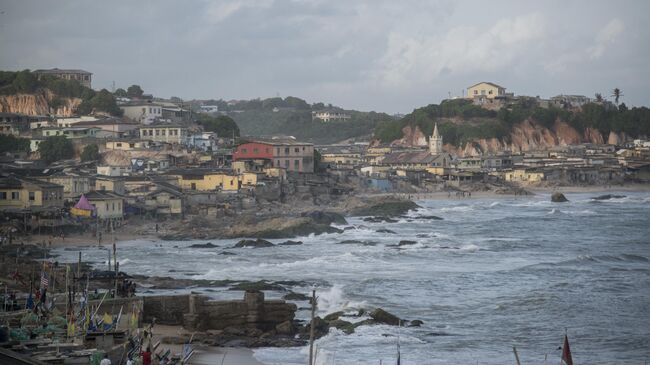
(599, 97)
(616, 94)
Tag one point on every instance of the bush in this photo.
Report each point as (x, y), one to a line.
(56, 148)
(90, 153)
(9, 143)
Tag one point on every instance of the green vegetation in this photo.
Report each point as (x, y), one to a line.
(25, 82)
(134, 91)
(102, 101)
(90, 153)
(459, 121)
(120, 93)
(55, 148)
(223, 125)
(9, 143)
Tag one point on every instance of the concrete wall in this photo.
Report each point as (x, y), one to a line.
(167, 309)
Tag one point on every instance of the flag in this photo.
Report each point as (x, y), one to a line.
(45, 280)
(566, 352)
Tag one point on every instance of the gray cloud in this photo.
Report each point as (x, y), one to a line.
(373, 55)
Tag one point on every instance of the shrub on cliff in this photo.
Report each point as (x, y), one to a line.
(56, 148)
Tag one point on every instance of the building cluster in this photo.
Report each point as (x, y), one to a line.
(155, 161)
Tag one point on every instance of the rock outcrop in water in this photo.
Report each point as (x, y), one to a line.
(558, 198)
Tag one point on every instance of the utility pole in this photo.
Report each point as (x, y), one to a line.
(311, 327)
(514, 349)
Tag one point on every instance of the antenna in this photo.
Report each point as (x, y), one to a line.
(113, 87)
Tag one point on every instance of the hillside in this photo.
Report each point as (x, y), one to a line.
(470, 130)
(292, 116)
(21, 92)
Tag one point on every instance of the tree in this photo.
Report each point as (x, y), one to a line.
(25, 82)
(223, 125)
(134, 91)
(9, 143)
(599, 97)
(90, 153)
(56, 148)
(103, 101)
(616, 94)
(120, 93)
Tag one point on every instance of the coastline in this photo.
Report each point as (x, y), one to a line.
(135, 231)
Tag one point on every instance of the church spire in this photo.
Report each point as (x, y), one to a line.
(435, 142)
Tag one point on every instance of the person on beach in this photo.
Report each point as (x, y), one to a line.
(146, 356)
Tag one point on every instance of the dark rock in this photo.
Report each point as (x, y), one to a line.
(365, 322)
(203, 245)
(558, 198)
(333, 316)
(226, 253)
(428, 217)
(357, 242)
(258, 243)
(382, 316)
(290, 243)
(285, 328)
(256, 286)
(388, 231)
(385, 208)
(415, 323)
(326, 217)
(406, 243)
(321, 328)
(295, 296)
(342, 325)
(608, 196)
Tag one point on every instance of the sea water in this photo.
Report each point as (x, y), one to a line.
(492, 274)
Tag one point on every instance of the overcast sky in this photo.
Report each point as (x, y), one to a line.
(389, 56)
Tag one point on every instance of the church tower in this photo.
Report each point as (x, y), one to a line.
(435, 142)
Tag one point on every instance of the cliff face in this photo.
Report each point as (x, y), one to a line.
(526, 136)
(37, 103)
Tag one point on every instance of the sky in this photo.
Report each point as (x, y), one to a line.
(389, 56)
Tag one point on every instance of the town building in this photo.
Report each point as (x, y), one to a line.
(285, 153)
(330, 115)
(205, 141)
(29, 193)
(84, 77)
(108, 205)
(169, 133)
(339, 156)
(207, 180)
(74, 184)
(487, 89)
(144, 113)
(128, 145)
(164, 201)
(114, 170)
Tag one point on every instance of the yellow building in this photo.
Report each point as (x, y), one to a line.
(107, 205)
(128, 145)
(164, 201)
(524, 175)
(208, 181)
(25, 193)
(485, 89)
(164, 133)
(116, 185)
(73, 185)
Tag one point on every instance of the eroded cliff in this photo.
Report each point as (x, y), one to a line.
(41, 102)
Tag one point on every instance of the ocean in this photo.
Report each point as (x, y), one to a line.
(492, 274)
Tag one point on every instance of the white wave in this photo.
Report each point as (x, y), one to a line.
(470, 248)
(494, 204)
(461, 208)
(333, 300)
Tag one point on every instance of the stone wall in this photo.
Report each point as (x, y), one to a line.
(252, 312)
(168, 309)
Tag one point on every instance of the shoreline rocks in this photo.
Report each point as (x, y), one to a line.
(558, 198)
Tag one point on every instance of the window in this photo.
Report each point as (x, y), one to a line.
(277, 163)
(32, 196)
(296, 149)
(490, 92)
(193, 186)
(244, 151)
(164, 131)
(296, 164)
(3, 195)
(150, 110)
(15, 195)
(475, 92)
(277, 151)
(157, 132)
(286, 151)
(106, 206)
(286, 163)
(113, 207)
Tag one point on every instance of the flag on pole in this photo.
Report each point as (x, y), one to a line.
(566, 352)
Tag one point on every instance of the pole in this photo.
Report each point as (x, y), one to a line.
(514, 350)
(311, 328)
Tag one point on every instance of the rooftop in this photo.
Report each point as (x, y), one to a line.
(59, 71)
